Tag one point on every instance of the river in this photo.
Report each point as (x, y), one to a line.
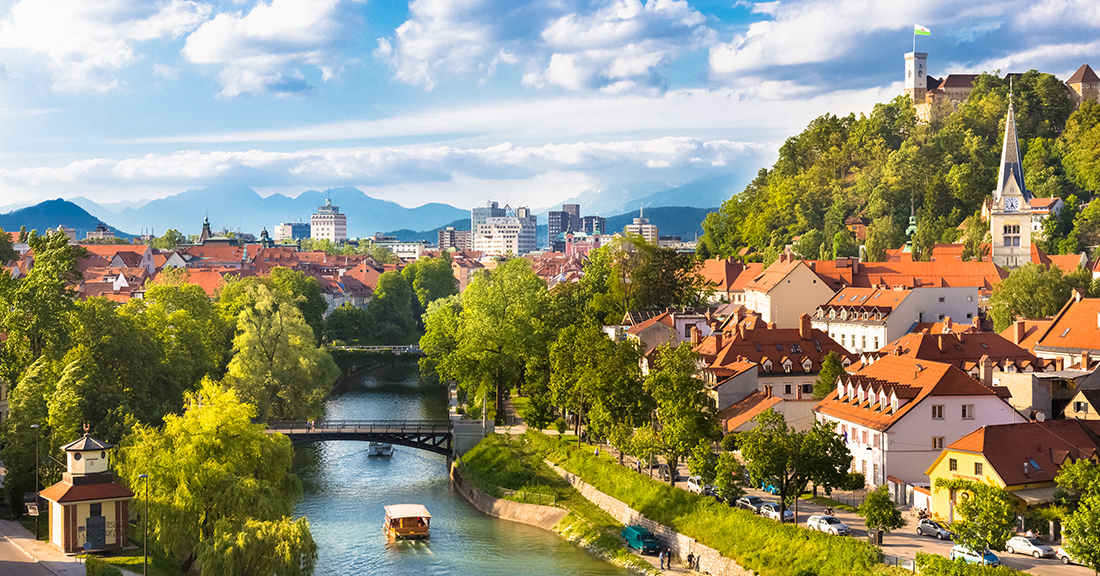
(344, 492)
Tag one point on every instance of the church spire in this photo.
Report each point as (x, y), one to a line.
(1010, 168)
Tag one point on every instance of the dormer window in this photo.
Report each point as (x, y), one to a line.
(846, 362)
(787, 366)
(768, 366)
(832, 313)
(894, 403)
(841, 391)
(859, 392)
(807, 365)
(851, 391)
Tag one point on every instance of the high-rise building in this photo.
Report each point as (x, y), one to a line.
(457, 239)
(513, 234)
(479, 216)
(328, 223)
(568, 218)
(643, 228)
(594, 224)
(291, 231)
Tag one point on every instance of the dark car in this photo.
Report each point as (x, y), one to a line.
(750, 503)
(927, 527)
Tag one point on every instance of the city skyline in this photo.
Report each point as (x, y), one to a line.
(458, 103)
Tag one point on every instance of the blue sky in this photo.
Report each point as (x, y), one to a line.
(459, 101)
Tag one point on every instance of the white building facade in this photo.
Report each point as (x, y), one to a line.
(504, 235)
(328, 223)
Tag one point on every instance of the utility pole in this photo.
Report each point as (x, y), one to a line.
(37, 512)
(145, 540)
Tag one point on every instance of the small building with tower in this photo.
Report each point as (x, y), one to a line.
(88, 510)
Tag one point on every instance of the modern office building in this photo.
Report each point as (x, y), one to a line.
(457, 239)
(291, 231)
(479, 216)
(643, 228)
(594, 224)
(328, 223)
(503, 235)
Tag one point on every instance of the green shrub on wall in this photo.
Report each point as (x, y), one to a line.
(936, 565)
(95, 567)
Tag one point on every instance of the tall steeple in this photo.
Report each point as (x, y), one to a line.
(1010, 168)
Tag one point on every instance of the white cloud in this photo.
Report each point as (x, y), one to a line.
(617, 44)
(438, 170)
(166, 71)
(87, 41)
(259, 51)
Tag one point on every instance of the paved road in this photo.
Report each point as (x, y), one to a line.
(13, 562)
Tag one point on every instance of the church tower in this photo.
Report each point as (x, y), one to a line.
(916, 76)
(1010, 216)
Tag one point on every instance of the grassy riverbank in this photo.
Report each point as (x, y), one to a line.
(768, 548)
(512, 462)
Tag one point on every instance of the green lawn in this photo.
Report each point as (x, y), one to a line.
(133, 560)
(768, 548)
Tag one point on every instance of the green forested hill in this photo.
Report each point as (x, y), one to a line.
(882, 165)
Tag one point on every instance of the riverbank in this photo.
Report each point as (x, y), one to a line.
(509, 462)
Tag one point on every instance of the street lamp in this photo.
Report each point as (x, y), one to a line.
(37, 513)
(145, 540)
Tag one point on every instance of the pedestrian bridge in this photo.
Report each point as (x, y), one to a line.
(431, 435)
(397, 349)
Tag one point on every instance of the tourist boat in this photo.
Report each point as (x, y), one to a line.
(407, 521)
(380, 449)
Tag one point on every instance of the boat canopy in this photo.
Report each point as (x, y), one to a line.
(407, 511)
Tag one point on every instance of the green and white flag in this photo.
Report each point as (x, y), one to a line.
(921, 30)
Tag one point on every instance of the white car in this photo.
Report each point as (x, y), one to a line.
(695, 485)
(1064, 556)
(1028, 546)
(771, 510)
(824, 523)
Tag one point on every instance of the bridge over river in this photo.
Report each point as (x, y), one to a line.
(431, 435)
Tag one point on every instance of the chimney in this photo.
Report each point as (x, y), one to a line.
(1076, 295)
(1085, 360)
(1059, 364)
(767, 391)
(696, 336)
(897, 350)
(1018, 331)
(976, 322)
(855, 267)
(804, 327)
(946, 324)
(941, 341)
(771, 325)
(717, 342)
(741, 331)
(985, 371)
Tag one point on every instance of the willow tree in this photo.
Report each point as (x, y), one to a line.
(276, 366)
(217, 484)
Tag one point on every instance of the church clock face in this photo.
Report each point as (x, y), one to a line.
(1012, 204)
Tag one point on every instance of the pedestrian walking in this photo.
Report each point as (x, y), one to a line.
(691, 560)
(661, 557)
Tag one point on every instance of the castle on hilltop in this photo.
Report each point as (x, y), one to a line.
(953, 89)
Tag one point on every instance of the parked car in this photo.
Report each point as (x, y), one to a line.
(663, 473)
(771, 510)
(770, 487)
(927, 527)
(1028, 546)
(640, 539)
(1064, 556)
(971, 557)
(830, 524)
(695, 485)
(750, 503)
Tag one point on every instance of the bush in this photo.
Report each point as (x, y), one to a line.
(936, 565)
(729, 442)
(1039, 519)
(93, 566)
(561, 426)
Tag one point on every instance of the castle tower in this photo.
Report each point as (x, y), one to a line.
(916, 75)
(1010, 215)
(1084, 84)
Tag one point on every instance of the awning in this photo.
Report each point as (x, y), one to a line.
(1035, 496)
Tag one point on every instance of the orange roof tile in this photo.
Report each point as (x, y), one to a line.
(1076, 327)
(910, 379)
(773, 275)
(747, 409)
(1032, 329)
(1039, 448)
(960, 349)
(729, 274)
(758, 345)
(66, 493)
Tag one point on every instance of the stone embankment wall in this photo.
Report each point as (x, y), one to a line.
(545, 517)
(710, 561)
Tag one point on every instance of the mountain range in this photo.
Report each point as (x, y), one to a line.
(630, 197)
(50, 214)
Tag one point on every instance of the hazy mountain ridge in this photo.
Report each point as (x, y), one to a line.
(50, 214)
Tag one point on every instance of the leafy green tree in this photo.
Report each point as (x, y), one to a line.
(831, 369)
(7, 248)
(497, 335)
(276, 366)
(809, 245)
(879, 511)
(792, 459)
(305, 292)
(1081, 528)
(35, 309)
(975, 239)
(169, 240)
(349, 324)
(683, 417)
(391, 308)
(430, 279)
(440, 338)
(728, 480)
(281, 547)
(27, 405)
(985, 514)
(212, 471)
(845, 244)
(1030, 291)
(703, 462)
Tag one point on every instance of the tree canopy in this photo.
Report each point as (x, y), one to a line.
(985, 515)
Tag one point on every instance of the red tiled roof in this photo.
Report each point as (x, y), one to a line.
(1032, 330)
(665, 318)
(772, 276)
(759, 345)
(65, 493)
(1075, 327)
(1067, 262)
(837, 274)
(745, 410)
(1040, 448)
(911, 380)
(1044, 202)
(729, 274)
(961, 349)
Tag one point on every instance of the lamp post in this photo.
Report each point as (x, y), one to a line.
(37, 512)
(145, 539)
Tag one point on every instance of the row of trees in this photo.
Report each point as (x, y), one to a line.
(128, 370)
(889, 165)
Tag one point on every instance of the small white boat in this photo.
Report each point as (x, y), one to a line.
(407, 521)
(380, 449)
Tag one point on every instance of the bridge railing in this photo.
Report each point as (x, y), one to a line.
(389, 426)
